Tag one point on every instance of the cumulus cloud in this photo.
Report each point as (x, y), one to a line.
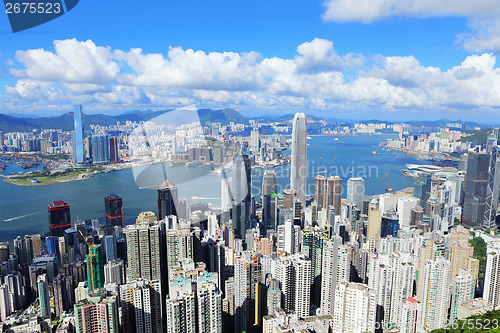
(71, 61)
(483, 16)
(317, 77)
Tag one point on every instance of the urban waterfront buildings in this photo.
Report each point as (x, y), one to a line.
(262, 260)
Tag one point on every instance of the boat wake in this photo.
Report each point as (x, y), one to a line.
(17, 217)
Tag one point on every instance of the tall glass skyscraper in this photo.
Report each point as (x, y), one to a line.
(298, 175)
(78, 152)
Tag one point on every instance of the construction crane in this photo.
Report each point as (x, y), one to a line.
(91, 259)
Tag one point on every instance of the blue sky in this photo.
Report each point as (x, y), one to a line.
(338, 58)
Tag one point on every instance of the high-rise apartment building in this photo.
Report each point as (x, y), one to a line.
(141, 307)
(288, 238)
(97, 314)
(355, 308)
(59, 218)
(312, 247)
(209, 305)
(114, 272)
(43, 296)
(143, 251)
(247, 273)
(491, 291)
(392, 276)
(294, 275)
(336, 268)
(298, 175)
(436, 294)
(462, 291)
(63, 294)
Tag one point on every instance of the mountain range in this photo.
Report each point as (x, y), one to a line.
(11, 123)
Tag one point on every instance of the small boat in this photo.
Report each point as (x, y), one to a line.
(388, 189)
(384, 176)
(375, 153)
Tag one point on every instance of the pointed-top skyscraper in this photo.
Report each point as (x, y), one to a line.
(167, 199)
(298, 176)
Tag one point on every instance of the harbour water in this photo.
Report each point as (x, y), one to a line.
(23, 209)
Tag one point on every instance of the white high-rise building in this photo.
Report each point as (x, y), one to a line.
(194, 309)
(298, 169)
(387, 201)
(288, 238)
(141, 304)
(492, 275)
(409, 318)
(447, 198)
(355, 308)
(405, 205)
(392, 277)
(5, 308)
(335, 270)
(143, 251)
(462, 291)
(355, 191)
(435, 295)
(181, 313)
(114, 272)
(254, 141)
(209, 299)
(212, 226)
(294, 275)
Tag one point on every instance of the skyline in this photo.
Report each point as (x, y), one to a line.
(320, 58)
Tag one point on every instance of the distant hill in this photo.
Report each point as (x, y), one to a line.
(224, 116)
(480, 136)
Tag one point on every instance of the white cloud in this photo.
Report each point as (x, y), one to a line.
(483, 16)
(71, 61)
(316, 78)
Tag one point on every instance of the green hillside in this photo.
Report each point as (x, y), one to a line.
(488, 322)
